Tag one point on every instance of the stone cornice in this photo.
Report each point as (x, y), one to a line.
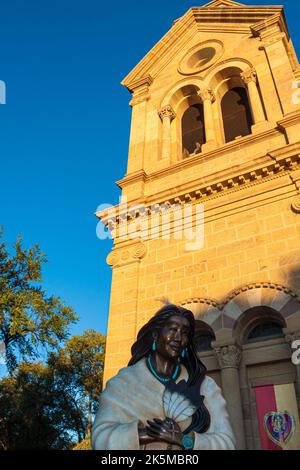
(271, 170)
(136, 177)
(276, 155)
(140, 84)
(271, 26)
(290, 120)
(197, 159)
(209, 18)
(140, 90)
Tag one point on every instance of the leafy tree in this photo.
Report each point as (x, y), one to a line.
(50, 406)
(33, 412)
(28, 317)
(82, 358)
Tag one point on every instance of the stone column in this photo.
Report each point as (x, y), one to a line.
(249, 77)
(229, 358)
(166, 114)
(290, 338)
(208, 98)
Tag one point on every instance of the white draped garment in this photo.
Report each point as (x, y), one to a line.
(134, 395)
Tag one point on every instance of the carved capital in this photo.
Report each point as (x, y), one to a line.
(249, 76)
(167, 112)
(207, 95)
(291, 337)
(296, 204)
(228, 356)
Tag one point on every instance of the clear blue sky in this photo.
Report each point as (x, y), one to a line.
(65, 128)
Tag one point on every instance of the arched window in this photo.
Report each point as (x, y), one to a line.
(259, 324)
(204, 335)
(265, 331)
(193, 132)
(236, 112)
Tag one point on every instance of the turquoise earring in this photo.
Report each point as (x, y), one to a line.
(183, 353)
(154, 345)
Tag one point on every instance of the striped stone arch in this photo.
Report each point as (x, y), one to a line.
(204, 309)
(224, 314)
(265, 294)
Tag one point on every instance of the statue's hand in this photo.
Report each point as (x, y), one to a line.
(165, 431)
(144, 438)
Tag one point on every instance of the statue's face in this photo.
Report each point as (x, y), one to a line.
(173, 337)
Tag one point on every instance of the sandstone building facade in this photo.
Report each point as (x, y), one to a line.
(216, 124)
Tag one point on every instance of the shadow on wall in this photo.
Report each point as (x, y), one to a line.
(293, 281)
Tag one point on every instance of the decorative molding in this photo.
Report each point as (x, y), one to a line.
(271, 29)
(207, 95)
(141, 84)
(258, 285)
(128, 255)
(289, 120)
(112, 259)
(138, 176)
(235, 20)
(228, 356)
(291, 337)
(139, 251)
(201, 57)
(296, 204)
(249, 75)
(274, 169)
(220, 305)
(225, 149)
(141, 98)
(225, 313)
(167, 112)
(140, 90)
(200, 300)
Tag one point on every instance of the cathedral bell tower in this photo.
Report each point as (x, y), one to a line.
(215, 126)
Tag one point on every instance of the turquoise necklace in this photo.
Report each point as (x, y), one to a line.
(158, 377)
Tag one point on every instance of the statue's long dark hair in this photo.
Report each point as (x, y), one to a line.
(195, 368)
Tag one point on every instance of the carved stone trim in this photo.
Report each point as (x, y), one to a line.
(167, 111)
(141, 98)
(228, 356)
(275, 169)
(249, 75)
(112, 259)
(207, 95)
(139, 84)
(259, 285)
(139, 251)
(140, 90)
(291, 337)
(200, 300)
(296, 204)
(121, 257)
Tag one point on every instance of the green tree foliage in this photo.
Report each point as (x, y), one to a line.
(83, 359)
(33, 412)
(50, 406)
(28, 317)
